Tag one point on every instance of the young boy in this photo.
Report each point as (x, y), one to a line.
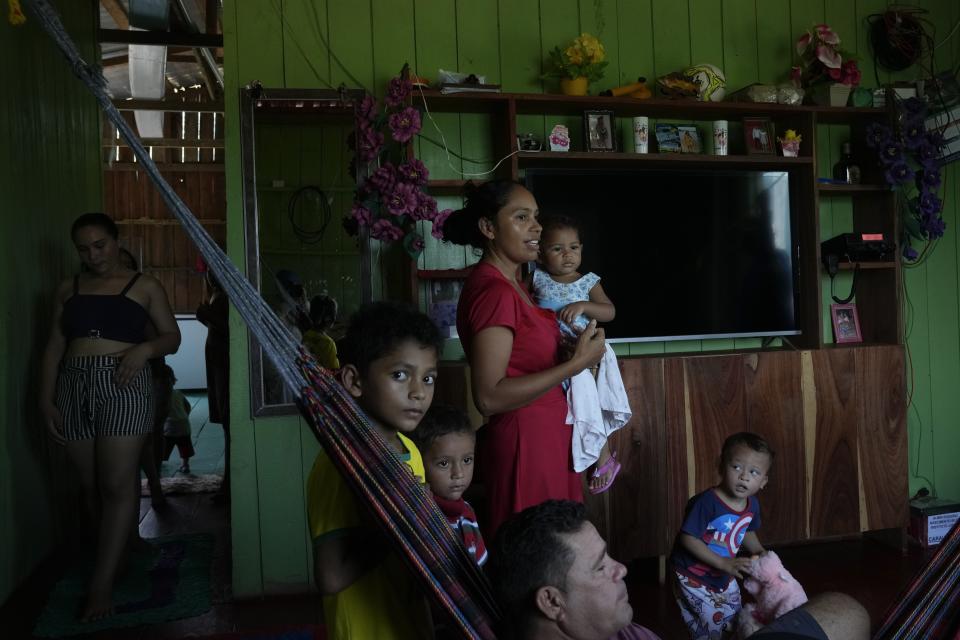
(176, 428)
(388, 364)
(447, 441)
(323, 313)
(718, 522)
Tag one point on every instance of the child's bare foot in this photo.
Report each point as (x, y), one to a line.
(97, 607)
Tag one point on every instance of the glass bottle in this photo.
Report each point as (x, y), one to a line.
(846, 170)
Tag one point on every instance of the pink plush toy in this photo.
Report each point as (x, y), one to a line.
(775, 590)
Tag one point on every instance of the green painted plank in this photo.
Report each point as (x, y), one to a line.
(521, 53)
(646, 348)
(559, 24)
(259, 37)
(740, 43)
(351, 38)
(306, 60)
(476, 30)
(865, 9)
(671, 37)
(706, 39)
(635, 37)
(775, 40)
(393, 38)
(599, 19)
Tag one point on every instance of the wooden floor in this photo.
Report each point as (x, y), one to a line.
(867, 570)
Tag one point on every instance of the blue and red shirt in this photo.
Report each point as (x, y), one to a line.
(462, 518)
(721, 528)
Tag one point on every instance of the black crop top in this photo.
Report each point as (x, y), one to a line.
(111, 317)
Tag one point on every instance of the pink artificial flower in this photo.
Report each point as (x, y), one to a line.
(385, 231)
(796, 75)
(438, 222)
(834, 74)
(369, 143)
(426, 208)
(405, 124)
(851, 73)
(803, 42)
(362, 215)
(417, 244)
(398, 91)
(829, 56)
(402, 200)
(367, 108)
(414, 172)
(384, 178)
(827, 35)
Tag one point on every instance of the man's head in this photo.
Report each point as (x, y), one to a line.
(550, 568)
(447, 441)
(388, 363)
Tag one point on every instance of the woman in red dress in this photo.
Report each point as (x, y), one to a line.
(513, 348)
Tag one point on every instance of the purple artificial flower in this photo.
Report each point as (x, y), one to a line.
(933, 225)
(414, 172)
(914, 134)
(405, 124)
(914, 107)
(935, 138)
(426, 208)
(926, 153)
(417, 243)
(397, 92)
(362, 215)
(384, 178)
(367, 108)
(369, 143)
(402, 200)
(891, 152)
(928, 178)
(910, 253)
(898, 172)
(929, 204)
(878, 135)
(438, 221)
(385, 231)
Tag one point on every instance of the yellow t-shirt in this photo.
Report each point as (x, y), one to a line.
(386, 603)
(323, 348)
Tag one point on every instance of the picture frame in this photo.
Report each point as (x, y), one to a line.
(668, 138)
(598, 130)
(689, 139)
(758, 136)
(846, 323)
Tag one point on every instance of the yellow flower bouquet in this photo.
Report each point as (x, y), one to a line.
(584, 57)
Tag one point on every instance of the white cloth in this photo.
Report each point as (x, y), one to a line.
(596, 408)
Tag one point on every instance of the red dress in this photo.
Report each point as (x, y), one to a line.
(525, 454)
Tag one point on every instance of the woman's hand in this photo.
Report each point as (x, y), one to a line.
(590, 346)
(132, 360)
(572, 311)
(53, 422)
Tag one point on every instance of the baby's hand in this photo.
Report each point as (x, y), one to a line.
(572, 311)
(737, 567)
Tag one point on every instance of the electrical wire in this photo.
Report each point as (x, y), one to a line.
(310, 236)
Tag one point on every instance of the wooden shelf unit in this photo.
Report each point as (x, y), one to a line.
(873, 203)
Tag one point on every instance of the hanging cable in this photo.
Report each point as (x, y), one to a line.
(310, 236)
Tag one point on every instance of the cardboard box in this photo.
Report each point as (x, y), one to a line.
(931, 519)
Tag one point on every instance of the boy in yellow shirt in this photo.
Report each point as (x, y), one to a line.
(389, 365)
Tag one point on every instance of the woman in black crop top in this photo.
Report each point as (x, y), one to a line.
(95, 387)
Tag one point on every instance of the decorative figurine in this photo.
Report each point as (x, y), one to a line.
(560, 138)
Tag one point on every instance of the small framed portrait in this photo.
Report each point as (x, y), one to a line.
(846, 323)
(598, 130)
(758, 136)
(689, 139)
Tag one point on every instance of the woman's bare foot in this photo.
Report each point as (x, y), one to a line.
(97, 607)
(603, 472)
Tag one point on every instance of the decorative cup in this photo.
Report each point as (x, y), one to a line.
(721, 136)
(641, 134)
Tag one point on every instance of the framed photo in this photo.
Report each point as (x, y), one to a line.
(846, 323)
(668, 138)
(689, 139)
(758, 136)
(598, 130)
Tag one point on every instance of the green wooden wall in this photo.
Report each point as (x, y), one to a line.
(322, 43)
(49, 173)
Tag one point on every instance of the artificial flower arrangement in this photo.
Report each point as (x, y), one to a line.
(822, 59)
(391, 200)
(790, 143)
(584, 57)
(908, 153)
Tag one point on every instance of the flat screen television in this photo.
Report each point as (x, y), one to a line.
(683, 254)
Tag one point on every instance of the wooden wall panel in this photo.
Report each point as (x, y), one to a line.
(834, 508)
(642, 488)
(881, 434)
(717, 408)
(680, 488)
(775, 411)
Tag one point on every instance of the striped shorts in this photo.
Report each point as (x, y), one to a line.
(93, 406)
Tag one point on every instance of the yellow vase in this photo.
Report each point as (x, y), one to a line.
(574, 86)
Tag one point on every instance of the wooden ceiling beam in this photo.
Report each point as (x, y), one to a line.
(167, 105)
(171, 57)
(168, 38)
(117, 12)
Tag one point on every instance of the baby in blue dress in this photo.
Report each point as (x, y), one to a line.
(558, 285)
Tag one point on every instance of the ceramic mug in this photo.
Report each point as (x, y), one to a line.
(641, 134)
(721, 137)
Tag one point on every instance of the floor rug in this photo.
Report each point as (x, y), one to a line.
(188, 483)
(295, 632)
(170, 582)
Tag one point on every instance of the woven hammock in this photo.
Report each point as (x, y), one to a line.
(373, 471)
(930, 605)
